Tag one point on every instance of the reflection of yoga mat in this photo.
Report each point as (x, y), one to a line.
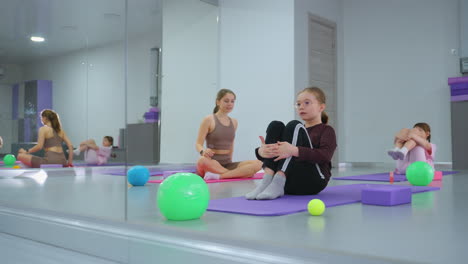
(3, 163)
(381, 177)
(97, 165)
(289, 204)
(4, 167)
(153, 172)
(257, 176)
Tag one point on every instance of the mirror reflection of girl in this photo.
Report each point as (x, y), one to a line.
(50, 138)
(93, 154)
(412, 145)
(297, 156)
(218, 130)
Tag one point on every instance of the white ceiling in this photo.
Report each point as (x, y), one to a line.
(70, 25)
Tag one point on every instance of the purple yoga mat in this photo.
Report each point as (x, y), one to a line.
(289, 204)
(381, 177)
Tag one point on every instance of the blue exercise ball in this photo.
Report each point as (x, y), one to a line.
(138, 175)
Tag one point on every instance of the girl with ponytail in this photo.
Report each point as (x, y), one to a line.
(297, 156)
(218, 130)
(50, 138)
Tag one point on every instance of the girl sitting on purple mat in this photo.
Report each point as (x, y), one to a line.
(412, 145)
(218, 130)
(50, 138)
(297, 156)
(93, 154)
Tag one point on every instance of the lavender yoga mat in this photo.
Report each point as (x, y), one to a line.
(381, 177)
(289, 204)
(257, 176)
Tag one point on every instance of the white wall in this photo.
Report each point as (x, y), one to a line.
(13, 73)
(464, 27)
(332, 11)
(90, 100)
(396, 63)
(73, 98)
(6, 129)
(257, 63)
(139, 74)
(190, 72)
(6, 93)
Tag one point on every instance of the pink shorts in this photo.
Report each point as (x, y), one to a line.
(418, 153)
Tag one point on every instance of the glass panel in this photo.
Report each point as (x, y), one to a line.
(143, 93)
(172, 82)
(77, 70)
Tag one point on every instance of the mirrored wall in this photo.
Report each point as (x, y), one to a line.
(135, 76)
(172, 85)
(67, 56)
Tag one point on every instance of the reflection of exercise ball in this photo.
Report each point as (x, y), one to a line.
(9, 159)
(183, 196)
(316, 224)
(420, 173)
(423, 201)
(138, 175)
(139, 198)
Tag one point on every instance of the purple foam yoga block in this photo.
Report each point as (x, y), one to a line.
(386, 195)
(51, 166)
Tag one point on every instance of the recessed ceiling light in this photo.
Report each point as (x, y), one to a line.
(37, 39)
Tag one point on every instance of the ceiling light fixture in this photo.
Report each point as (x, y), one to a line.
(37, 39)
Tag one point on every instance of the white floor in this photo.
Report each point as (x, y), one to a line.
(15, 250)
(430, 230)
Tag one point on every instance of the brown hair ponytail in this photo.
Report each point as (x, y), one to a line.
(324, 118)
(53, 118)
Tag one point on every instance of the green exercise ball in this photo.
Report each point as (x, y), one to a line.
(183, 196)
(9, 159)
(420, 173)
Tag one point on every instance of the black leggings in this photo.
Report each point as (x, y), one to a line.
(302, 177)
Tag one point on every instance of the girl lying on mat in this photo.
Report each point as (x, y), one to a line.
(412, 145)
(218, 130)
(50, 137)
(93, 154)
(297, 157)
